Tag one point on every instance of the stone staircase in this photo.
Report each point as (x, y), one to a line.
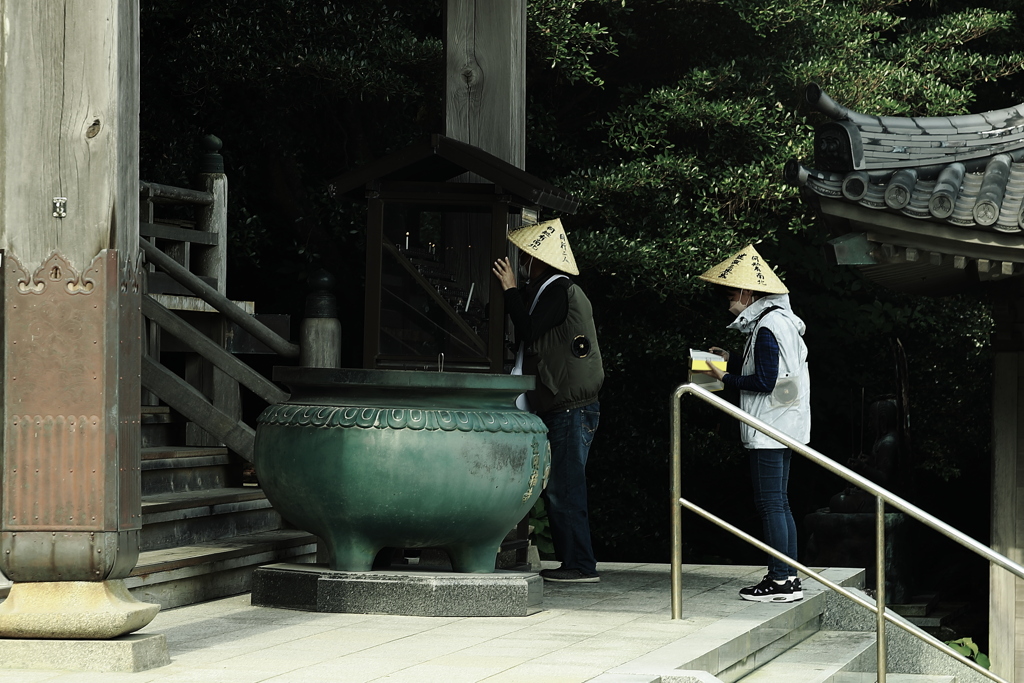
(823, 638)
(204, 531)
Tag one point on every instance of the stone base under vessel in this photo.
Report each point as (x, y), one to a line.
(411, 592)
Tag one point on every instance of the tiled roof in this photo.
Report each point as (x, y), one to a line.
(966, 171)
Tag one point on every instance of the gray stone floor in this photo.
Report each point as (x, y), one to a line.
(583, 631)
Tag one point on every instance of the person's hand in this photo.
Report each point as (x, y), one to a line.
(713, 370)
(502, 270)
(716, 372)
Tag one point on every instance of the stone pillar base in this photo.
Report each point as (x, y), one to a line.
(86, 610)
(135, 652)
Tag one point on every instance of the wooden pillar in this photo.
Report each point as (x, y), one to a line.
(70, 499)
(485, 106)
(212, 261)
(374, 280)
(1006, 592)
(485, 57)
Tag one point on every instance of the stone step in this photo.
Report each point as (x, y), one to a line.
(818, 659)
(854, 677)
(187, 574)
(940, 615)
(906, 653)
(746, 636)
(170, 469)
(917, 606)
(184, 519)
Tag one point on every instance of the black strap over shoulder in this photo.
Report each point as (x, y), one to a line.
(753, 328)
(766, 312)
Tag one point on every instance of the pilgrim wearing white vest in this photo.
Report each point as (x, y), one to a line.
(774, 386)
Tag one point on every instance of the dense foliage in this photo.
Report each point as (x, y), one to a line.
(672, 119)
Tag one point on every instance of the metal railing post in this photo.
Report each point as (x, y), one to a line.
(880, 587)
(677, 511)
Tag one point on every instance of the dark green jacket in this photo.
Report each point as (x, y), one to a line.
(566, 360)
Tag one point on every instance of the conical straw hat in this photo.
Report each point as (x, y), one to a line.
(546, 241)
(745, 270)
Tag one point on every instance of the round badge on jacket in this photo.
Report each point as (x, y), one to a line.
(580, 346)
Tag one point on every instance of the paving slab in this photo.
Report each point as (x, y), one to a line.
(584, 632)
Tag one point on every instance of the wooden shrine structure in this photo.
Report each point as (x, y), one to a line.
(431, 300)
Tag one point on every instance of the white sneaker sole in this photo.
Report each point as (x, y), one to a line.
(772, 598)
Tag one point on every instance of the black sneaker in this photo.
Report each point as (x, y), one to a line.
(563, 575)
(798, 590)
(770, 591)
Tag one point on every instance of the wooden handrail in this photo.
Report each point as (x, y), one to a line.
(224, 305)
(191, 403)
(173, 232)
(179, 194)
(208, 349)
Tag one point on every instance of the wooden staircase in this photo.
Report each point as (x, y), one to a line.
(206, 524)
(203, 530)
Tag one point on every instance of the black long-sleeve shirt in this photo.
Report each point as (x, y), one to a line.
(766, 365)
(550, 311)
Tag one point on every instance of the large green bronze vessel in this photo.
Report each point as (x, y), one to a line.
(368, 459)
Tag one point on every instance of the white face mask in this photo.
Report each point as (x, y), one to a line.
(525, 267)
(737, 307)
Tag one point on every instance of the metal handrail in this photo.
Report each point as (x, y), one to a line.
(881, 494)
(881, 616)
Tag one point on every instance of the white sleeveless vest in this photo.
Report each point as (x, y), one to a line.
(787, 408)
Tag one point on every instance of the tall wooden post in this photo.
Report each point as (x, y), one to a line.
(485, 55)
(1006, 592)
(70, 498)
(485, 106)
(212, 261)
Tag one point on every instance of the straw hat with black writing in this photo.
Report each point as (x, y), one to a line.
(745, 270)
(546, 242)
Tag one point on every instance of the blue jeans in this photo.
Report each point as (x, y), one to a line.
(769, 473)
(570, 433)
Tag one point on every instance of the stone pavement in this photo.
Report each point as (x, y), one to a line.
(583, 631)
